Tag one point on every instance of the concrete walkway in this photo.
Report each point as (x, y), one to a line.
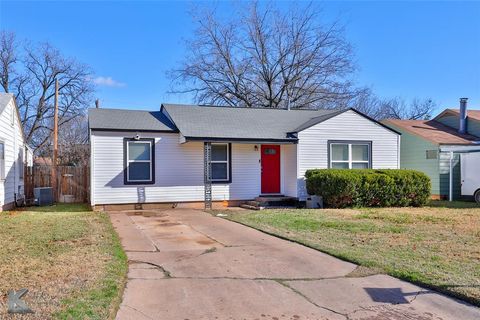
(186, 264)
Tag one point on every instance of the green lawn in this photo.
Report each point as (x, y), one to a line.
(436, 246)
(68, 257)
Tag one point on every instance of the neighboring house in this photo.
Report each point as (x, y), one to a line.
(451, 118)
(426, 146)
(12, 153)
(158, 157)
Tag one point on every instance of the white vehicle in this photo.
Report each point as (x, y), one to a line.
(470, 170)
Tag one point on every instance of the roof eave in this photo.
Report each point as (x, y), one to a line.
(457, 144)
(133, 130)
(243, 140)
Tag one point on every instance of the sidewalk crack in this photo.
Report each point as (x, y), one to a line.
(166, 273)
(309, 300)
(136, 310)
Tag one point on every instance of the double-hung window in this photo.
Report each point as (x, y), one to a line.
(139, 161)
(220, 162)
(350, 154)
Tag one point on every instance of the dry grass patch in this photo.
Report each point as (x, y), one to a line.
(436, 246)
(65, 256)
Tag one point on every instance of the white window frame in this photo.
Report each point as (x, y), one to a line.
(350, 160)
(149, 142)
(222, 161)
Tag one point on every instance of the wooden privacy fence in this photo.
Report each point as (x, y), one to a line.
(73, 183)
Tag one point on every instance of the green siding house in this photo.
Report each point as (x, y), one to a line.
(450, 117)
(422, 143)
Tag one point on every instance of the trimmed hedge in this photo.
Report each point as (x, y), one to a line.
(342, 188)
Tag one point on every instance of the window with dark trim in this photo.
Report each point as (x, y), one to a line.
(221, 162)
(350, 154)
(139, 161)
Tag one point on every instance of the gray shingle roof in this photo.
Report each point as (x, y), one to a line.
(242, 123)
(214, 123)
(130, 120)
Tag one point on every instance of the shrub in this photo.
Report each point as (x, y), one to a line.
(341, 188)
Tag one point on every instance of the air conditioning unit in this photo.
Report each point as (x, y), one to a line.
(43, 196)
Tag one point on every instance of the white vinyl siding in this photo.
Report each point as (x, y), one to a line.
(2, 160)
(178, 171)
(21, 163)
(313, 143)
(11, 135)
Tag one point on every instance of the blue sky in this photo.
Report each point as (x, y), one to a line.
(407, 49)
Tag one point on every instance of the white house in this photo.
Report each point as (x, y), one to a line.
(13, 151)
(158, 157)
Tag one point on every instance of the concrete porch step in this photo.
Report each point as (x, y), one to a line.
(270, 201)
(250, 207)
(268, 197)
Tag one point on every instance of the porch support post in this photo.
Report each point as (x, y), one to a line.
(207, 156)
(450, 191)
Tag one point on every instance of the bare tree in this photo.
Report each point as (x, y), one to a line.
(73, 144)
(29, 73)
(418, 109)
(394, 108)
(367, 102)
(265, 58)
(74, 148)
(8, 58)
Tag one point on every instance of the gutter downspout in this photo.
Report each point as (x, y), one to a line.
(450, 192)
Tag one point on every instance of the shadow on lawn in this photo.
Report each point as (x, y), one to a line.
(453, 204)
(59, 207)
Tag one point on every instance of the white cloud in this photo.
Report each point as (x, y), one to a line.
(108, 82)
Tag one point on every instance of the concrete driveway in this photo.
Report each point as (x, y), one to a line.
(186, 264)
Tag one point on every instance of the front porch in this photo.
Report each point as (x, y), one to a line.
(271, 170)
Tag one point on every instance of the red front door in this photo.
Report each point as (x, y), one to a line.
(270, 169)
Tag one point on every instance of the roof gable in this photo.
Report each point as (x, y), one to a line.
(320, 119)
(472, 114)
(5, 99)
